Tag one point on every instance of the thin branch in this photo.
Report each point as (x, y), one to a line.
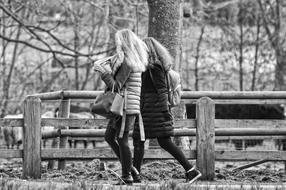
(49, 83)
(57, 40)
(33, 46)
(197, 58)
(255, 55)
(22, 24)
(46, 50)
(265, 24)
(278, 20)
(33, 71)
(93, 4)
(50, 50)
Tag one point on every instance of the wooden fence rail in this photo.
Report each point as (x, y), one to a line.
(205, 128)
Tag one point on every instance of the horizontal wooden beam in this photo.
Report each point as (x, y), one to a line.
(69, 94)
(250, 155)
(249, 131)
(224, 127)
(234, 94)
(217, 138)
(185, 94)
(8, 153)
(250, 123)
(51, 134)
(101, 123)
(184, 132)
(98, 153)
(161, 154)
(99, 136)
(184, 123)
(75, 123)
(105, 153)
(12, 122)
(240, 101)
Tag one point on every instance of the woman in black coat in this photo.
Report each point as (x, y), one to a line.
(156, 113)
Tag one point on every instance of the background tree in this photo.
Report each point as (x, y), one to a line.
(49, 45)
(273, 13)
(165, 25)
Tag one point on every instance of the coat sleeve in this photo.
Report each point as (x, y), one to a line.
(119, 80)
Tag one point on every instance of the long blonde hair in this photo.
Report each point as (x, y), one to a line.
(157, 52)
(131, 49)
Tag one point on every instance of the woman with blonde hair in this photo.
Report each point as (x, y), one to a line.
(127, 66)
(155, 110)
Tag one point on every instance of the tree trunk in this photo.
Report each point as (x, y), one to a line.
(3, 64)
(76, 47)
(255, 55)
(7, 77)
(165, 26)
(241, 56)
(197, 57)
(280, 70)
(275, 38)
(7, 83)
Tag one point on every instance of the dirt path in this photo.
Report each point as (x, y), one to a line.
(152, 172)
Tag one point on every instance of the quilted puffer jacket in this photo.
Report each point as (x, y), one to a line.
(125, 78)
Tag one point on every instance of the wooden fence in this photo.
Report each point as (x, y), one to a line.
(205, 128)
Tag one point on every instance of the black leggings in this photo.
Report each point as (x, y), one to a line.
(167, 144)
(120, 146)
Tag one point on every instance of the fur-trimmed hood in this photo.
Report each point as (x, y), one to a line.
(158, 54)
(167, 65)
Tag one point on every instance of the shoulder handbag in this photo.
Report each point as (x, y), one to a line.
(108, 104)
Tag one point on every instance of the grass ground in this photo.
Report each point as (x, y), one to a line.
(8, 184)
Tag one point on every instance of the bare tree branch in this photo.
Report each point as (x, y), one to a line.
(49, 83)
(265, 24)
(49, 50)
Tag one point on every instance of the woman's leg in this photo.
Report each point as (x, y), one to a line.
(110, 137)
(138, 153)
(192, 174)
(167, 144)
(125, 152)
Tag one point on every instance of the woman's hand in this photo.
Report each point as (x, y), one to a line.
(98, 68)
(103, 65)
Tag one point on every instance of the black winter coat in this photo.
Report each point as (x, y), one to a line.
(157, 117)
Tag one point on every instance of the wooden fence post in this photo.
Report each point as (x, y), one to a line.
(64, 112)
(32, 138)
(179, 112)
(205, 112)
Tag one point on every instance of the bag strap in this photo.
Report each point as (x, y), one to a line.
(141, 128)
(112, 90)
(122, 128)
(168, 83)
(151, 76)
